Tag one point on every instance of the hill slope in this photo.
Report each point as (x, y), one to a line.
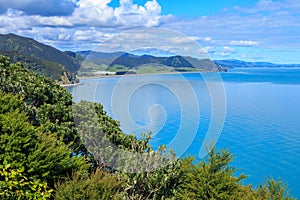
(38, 57)
(133, 62)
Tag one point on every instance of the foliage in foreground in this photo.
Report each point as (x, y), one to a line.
(14, 185)
(40, 144)
(209, 179)
(97, 185)
(213, 179)
(43, 154)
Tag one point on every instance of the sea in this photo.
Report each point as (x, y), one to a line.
(252, 112)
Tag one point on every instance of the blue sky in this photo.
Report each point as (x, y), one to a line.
(251, 30)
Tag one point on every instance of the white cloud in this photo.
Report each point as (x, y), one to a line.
(271, 6)
(14, 21)
(50, 21)
(98, 13)
(244, 43)
(207, 39)
(63, 36)
(83, 23)
(95, 13)
(101, 4)
(130, 14)
(181, 40)
(256, 25)
(210, 49)
(225, 51)
(87, 23)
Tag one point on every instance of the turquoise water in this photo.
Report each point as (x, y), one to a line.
(262, 119)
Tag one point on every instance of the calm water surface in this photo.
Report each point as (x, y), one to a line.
(262, 122)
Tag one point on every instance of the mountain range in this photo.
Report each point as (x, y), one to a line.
(239, 63)
(132, 61)
(63, 66)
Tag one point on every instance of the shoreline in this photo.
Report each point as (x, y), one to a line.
(70, 84)
(146, 74)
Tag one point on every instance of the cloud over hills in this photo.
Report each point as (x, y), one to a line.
(73, 24)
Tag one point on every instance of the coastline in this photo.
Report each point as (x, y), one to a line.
(70, 84)
(146, 74)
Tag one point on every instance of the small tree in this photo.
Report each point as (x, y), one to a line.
(273, 190)
(42, 155)
(211, 179)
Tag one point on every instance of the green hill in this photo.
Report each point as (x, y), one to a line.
(38, 57)
(146, 63)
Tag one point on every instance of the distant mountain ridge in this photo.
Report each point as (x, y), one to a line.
(38, 57)
(100, 58)
(133, 61)
(239, 63)
(63, 66)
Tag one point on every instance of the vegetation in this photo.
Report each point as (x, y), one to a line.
(86, 64)
(14, 185)
(39, 58)
(97, 185)
(51, 148)
(117, 68)
(149, 69)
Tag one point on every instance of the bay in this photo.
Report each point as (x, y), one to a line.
(261, 119)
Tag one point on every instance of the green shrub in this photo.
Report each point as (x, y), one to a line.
(98, 185)
(14, 185)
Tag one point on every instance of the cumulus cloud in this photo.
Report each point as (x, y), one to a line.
(83, 23)
(81, 20)
(132, 14)
(95, 13)
(99, 13)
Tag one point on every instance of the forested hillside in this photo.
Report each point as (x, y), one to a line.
(43, 153)
(38, 57)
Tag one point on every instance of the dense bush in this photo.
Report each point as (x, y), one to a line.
(46, 103)
(43, 155)
(97, 185)
(14, 185)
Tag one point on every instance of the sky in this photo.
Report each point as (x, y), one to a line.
(250, 30)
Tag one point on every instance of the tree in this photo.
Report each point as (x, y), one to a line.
(46, 103)
(211, 179)
(274, 190)
(43, 155)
